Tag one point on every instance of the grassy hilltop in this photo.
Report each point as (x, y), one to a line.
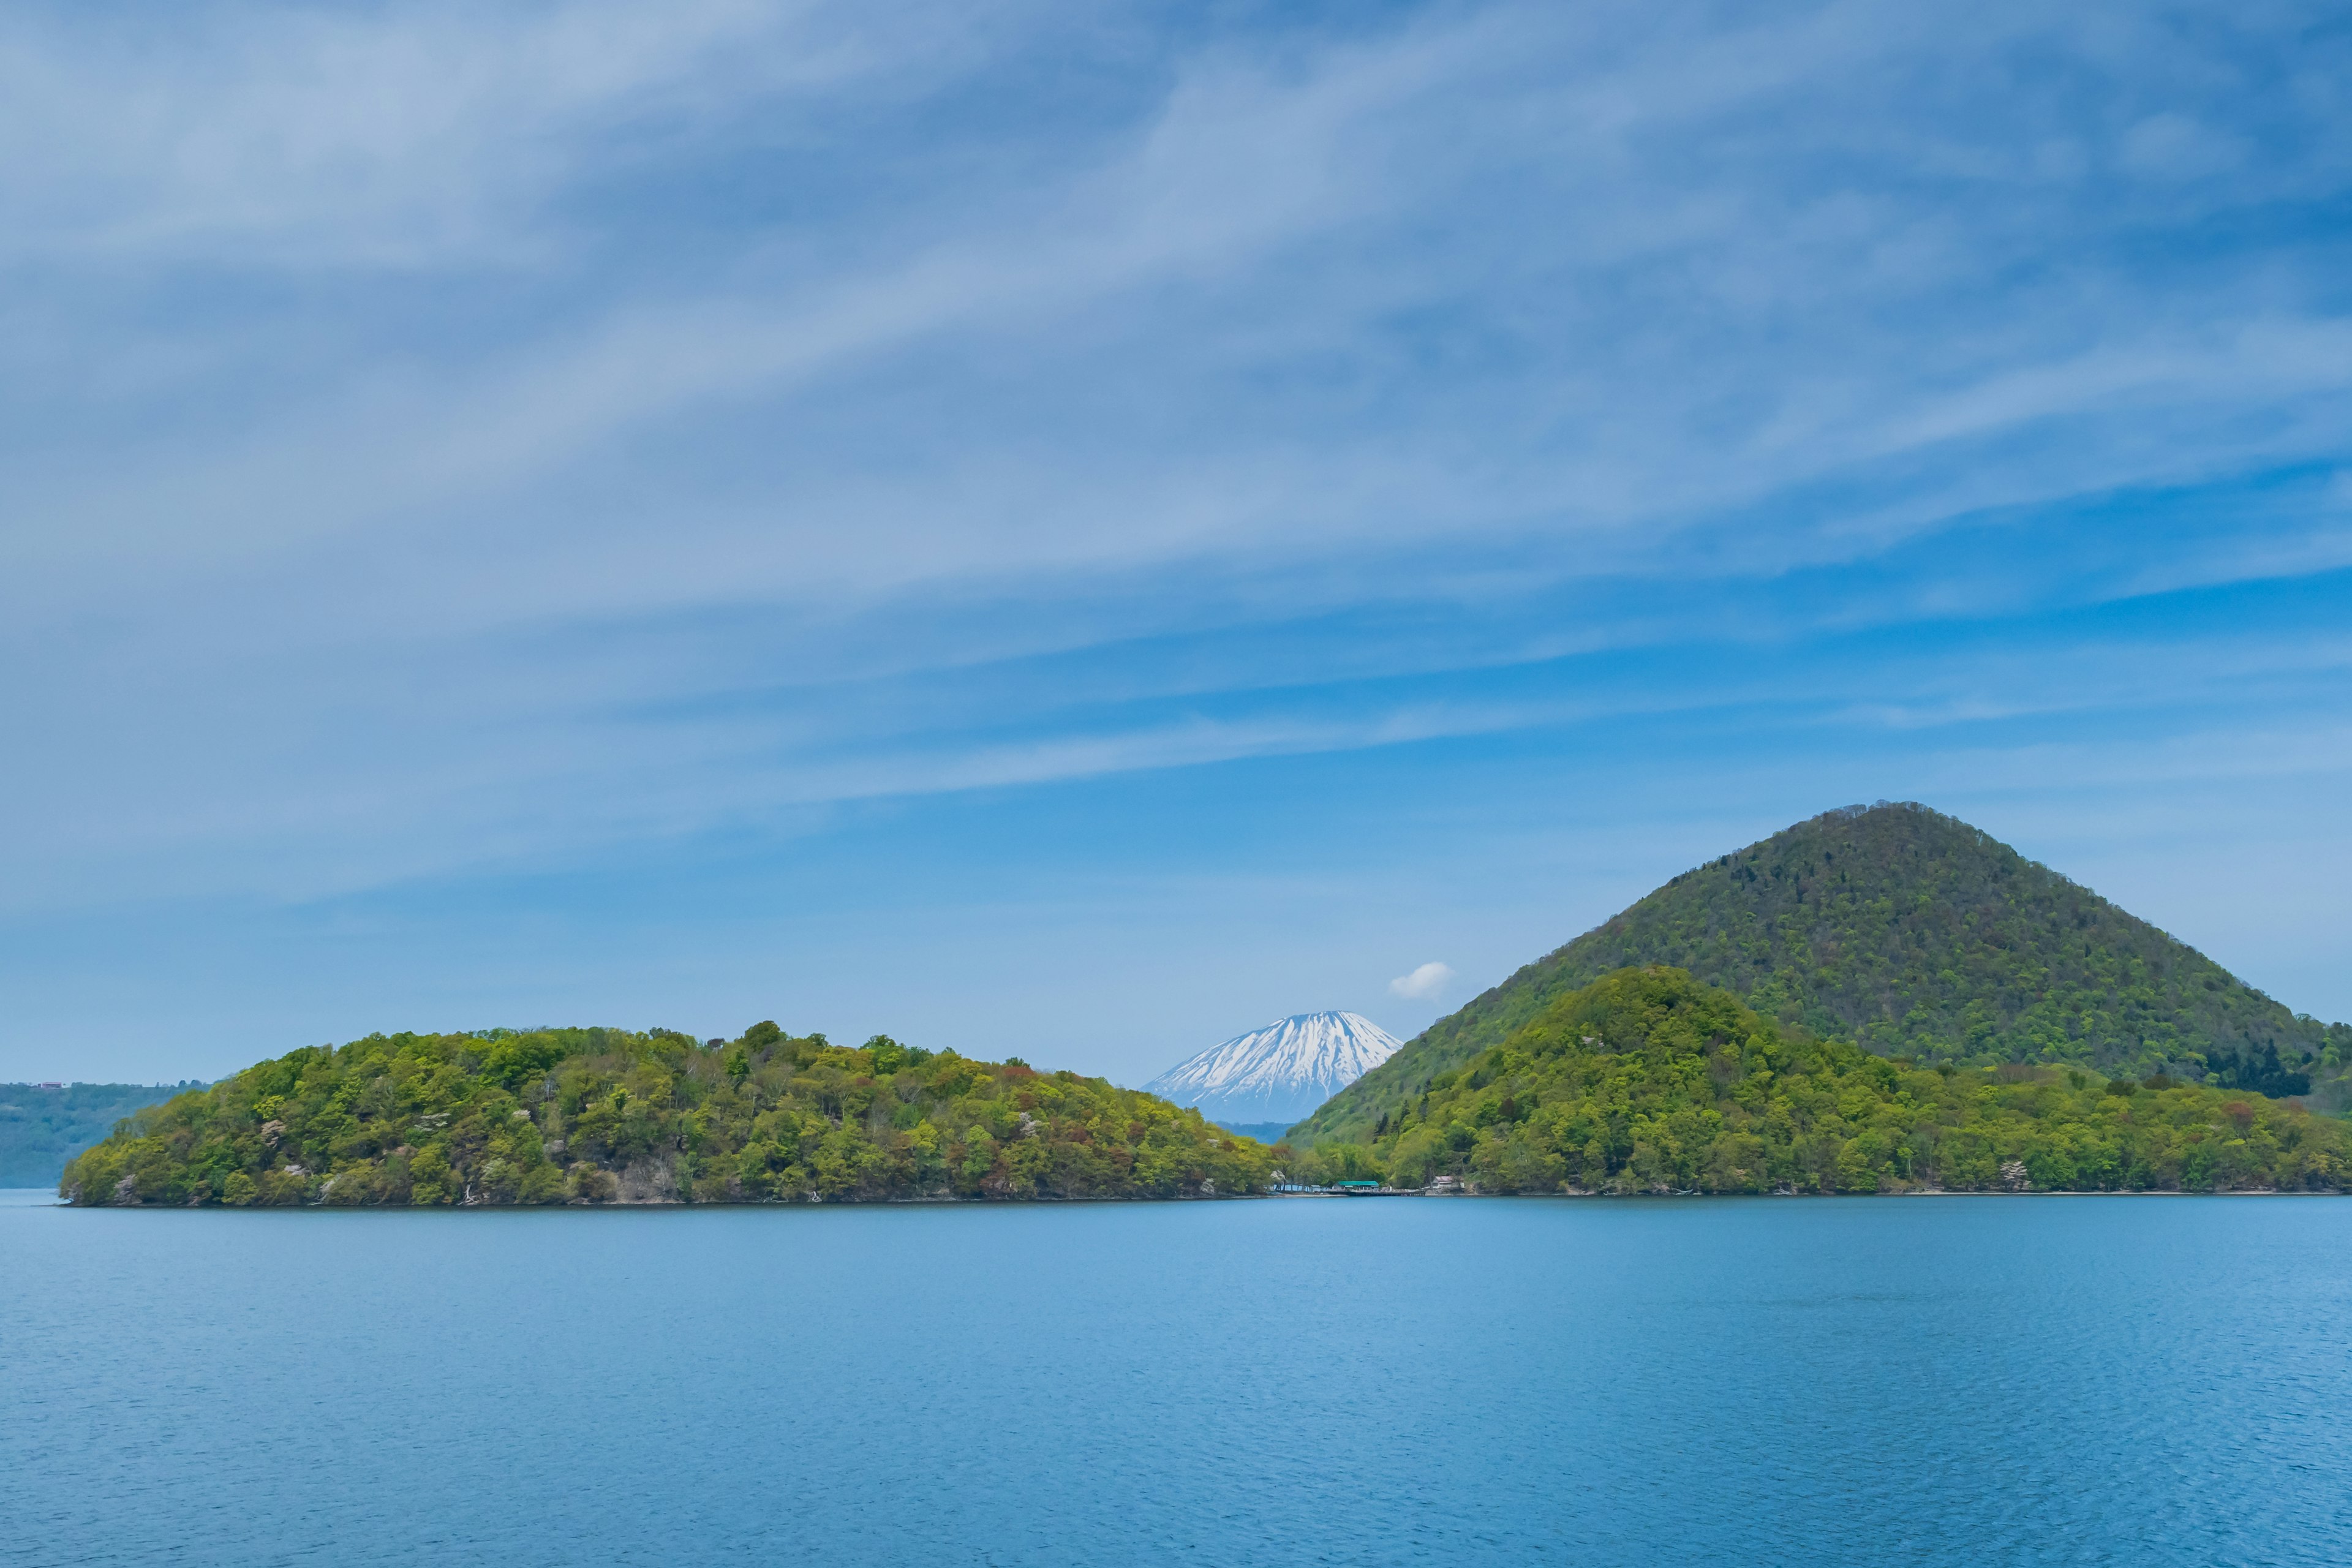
(603, 1115)
(1910, 933)
(1648, 1080)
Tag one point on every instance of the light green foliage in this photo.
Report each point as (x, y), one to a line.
(1911, 934)
(1647, 1080)
(601, 1115)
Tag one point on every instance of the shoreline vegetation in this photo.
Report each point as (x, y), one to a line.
(608, 1116)
(1647, 1080)
(1643, 1082)
(1878, 1000)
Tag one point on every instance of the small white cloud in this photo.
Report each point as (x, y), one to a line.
(1424, 983)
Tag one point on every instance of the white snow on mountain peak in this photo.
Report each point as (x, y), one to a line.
(1281, 1073)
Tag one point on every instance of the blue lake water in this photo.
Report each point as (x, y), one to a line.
(1896, 1381)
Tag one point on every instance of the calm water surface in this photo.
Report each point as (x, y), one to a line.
(1930, 1381)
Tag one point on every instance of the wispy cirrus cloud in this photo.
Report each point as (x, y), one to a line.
(462, 439)
(417, 137)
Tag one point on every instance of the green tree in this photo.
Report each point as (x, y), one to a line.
(1648, 1080)
(1910, 934)
(588, 1115)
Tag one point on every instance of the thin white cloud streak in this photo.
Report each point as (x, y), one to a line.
(404, 137)
(2217, 755)
(1233, 167)
(478, 811)
(2109, 678)
(1237, 168)
(2309, 554)
(279, 822)
(298, 822)
(1678, 284)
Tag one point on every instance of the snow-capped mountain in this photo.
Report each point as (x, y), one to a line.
(1281, 1073)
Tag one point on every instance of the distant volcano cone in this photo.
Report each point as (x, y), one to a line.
(1279, 1073)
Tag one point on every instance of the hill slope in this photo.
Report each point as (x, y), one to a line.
(43, 1126)
(1911, 934)
(600, 1115)
(1279, 1073)
(1646, 1080)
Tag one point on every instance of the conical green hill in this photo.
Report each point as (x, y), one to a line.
(1912, 934)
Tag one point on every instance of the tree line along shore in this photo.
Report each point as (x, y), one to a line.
(1879, 999)
(596, 1116)
(1645, 1080)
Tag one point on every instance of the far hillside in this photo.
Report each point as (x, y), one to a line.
(43, 1125)
(1912, 934)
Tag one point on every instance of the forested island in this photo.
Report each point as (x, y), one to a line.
(1912, 934)
(1878, 1000)
(1647, 1080)
(600, 1116)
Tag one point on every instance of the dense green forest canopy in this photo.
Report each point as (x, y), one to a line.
(603, 1115)
(44, 1125)
(1912, 934)
(1649, 1080)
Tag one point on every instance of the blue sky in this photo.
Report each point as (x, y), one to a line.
(1078, 531)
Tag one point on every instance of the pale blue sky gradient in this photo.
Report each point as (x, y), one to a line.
(1077, 532)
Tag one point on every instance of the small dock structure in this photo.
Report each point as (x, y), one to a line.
(1283, 1188)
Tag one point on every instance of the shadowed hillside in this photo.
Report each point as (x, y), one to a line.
(44, 1125)
(1912, 934)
